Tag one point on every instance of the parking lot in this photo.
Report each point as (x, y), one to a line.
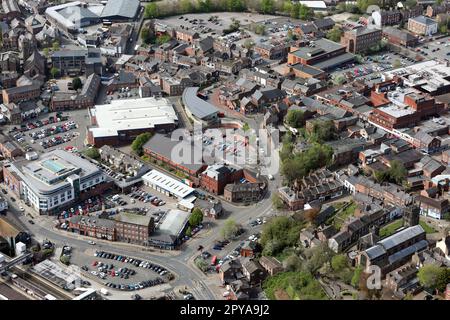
(51, 131)
(439, 49)
(120, 272)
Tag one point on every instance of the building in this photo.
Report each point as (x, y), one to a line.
(422, 25)
(271, 265)
(54, 181)
(400, 37)
(122, 120)
(70, 17)
(8, 149)
(395, 250)
(170, 230)
(76, 62)
(434, 207)
(199, 109)
(361, 39)
(243, 192)
(85, 99)
(167, 185)
(120, 10)
(322, 54)
(22, 93)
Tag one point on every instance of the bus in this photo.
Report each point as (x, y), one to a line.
(213, 260)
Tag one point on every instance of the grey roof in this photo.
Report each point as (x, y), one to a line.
(198, 107)
(375, 251)
(421, 245)
(424, 20)
(335, 61)
(174, 222)
(122, 8)
(401, 236)
(164, 145)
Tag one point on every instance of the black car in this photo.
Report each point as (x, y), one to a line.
(4, 191)
(13, 199)
(31, 221)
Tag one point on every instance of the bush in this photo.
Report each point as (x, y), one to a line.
(339, 262)
(229, 229)
(279, 233)
(92, 153)
(76, 83)
(139, 142)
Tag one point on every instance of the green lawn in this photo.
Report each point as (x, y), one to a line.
(426, 227)
(391, 228)
(343, 215)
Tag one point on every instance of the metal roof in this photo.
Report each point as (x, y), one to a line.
(401, 236)
(198, 107)
(167, 183)
(122, 8)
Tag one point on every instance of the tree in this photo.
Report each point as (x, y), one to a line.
(396, 64)
(294, 10)
(317, 257)
(267, 6)
(397, 171)
(196, 217)
(246, 127)
(305, 12)
(45, 52)
(202, 264)
(188, 231)
(443, 28)
(295, 118)
(147, 35)
(335, 34)
(292, 263)
(139, 142)
(92, 153)
(151, 11)
(248, 44)
(410, 3)
(54, 72)
(434, 277)
(277, 202)
(323, 131)
(230, 229)
(339, 262)
(338, 79)
(186, 6)
(163, 39)
(204, 5)
(76, 83)
(260, 29)
(55, 46)
(279, 233)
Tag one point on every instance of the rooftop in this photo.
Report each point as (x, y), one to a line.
(132, 114)
(198, 107)
(167, 183)
(174, 222)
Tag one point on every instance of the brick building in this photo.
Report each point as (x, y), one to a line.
(422, 25)
(360, 39)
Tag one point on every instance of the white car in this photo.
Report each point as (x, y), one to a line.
(91, 242)
(22, 209)
(252, 237)
(259, 221)
(95, 273)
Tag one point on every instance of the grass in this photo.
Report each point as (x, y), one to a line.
(342, 215)
(388, 230)
(426, 227)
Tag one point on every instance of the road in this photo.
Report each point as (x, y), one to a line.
(180, 262)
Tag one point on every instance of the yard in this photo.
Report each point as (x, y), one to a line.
(344, 211)
(394, 226)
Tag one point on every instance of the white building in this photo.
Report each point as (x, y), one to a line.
(167, 185)
(55, 180)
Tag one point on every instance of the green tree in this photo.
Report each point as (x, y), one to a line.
(76, 83)
(305, 13)
(287, 5)
(335, 34)
(323, 131)
(54, 72)
(151, 11)
(204, 5)
(55, 46)
(277, 202)
(196, 217)
(163, 39)
(279, 233)
(202, 264)
(92, 153)
(410, 3)
(147, 35)
(248, 44)
(139, 142)
(443, 28)
(338, 79)
(295, 10)
(45, 52)
(397, 171)
(396, 64)
(434, 277)
(188, 231)
(267, 6)
(230, 229)
(316, 258)
(339, 262)
(292, 263)
(260, 29)
(246, 127)
(295, 118)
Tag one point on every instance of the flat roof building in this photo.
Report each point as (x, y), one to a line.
(120, 9)
(55, 180)
(122, 120)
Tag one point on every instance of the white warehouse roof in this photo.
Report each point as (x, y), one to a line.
(163, 181)
(132, 114)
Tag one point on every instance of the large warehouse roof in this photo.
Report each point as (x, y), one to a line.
(167, 183)
(174, 222)
(132, 114)
(198, 107)
(121, 8)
